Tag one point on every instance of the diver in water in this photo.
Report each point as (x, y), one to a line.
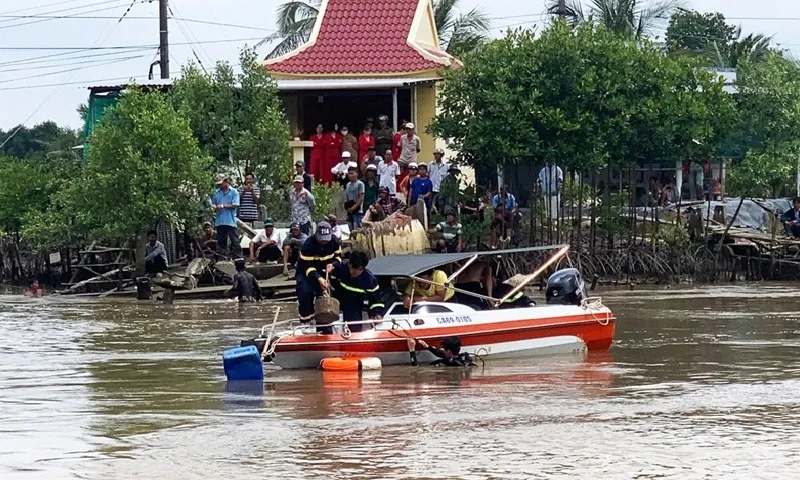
(245, 286)
(449, 355)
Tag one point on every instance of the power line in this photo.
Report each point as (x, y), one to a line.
(190, 39)
(41, 6)
(80, 7)
(71, 62)
(118, 47)
(118, 60)
(67, 56)
(42, 19)
(100, 17)
(82, 82)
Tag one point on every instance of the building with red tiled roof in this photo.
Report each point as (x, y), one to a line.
(364, 59)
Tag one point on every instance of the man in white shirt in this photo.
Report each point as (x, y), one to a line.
(409, 146)
(437, 171)
(265, 246)
(340, 170)
(388, 170)
(551, 179)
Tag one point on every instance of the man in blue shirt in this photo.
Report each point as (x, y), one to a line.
(507, 200)
(422, 186)
(225, 202)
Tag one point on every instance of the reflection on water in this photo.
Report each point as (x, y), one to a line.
(703, 382)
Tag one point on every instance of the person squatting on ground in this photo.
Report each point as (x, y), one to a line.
(319, 254)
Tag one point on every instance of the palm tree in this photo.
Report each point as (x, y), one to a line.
(754, 47)
(458, 33)
(630, 18)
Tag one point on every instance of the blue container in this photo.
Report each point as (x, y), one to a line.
(243, 363)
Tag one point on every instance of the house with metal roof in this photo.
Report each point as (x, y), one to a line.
(364, 59)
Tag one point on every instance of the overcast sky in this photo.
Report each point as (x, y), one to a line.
(38, 84)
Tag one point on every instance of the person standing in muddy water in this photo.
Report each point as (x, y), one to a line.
(35, 290)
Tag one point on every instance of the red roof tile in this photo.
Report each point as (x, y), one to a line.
(365, 37)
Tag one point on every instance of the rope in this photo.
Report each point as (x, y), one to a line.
(346, 333)
(593, 303)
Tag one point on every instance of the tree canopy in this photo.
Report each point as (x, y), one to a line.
(237, 118)
(583, 97)
(629, 18)
(144, 165)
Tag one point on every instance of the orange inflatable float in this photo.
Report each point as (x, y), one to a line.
(350, 364)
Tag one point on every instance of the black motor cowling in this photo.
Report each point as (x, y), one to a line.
(565, 287)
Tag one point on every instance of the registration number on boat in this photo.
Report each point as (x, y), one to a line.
(444, 320)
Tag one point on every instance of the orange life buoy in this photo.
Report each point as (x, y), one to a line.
(350, 364)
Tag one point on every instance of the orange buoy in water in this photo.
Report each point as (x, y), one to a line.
(350, 364)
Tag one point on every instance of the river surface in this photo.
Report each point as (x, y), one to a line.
(702, 382)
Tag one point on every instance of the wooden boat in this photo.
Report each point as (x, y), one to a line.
(572, 326)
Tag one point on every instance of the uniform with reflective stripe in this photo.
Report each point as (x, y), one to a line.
(351, 292)
(311, 263)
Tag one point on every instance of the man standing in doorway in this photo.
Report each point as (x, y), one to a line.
(225, 202)
(551, 179)
(303, 205)
(383, 135)
(409, 146)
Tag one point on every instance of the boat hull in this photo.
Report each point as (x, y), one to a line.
(498, 334)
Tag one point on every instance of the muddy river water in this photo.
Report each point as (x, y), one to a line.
(702, 382)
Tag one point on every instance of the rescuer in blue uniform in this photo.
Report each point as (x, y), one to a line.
(353, 284)
(319, 254)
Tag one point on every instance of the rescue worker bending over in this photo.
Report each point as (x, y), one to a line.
(439, 290)
(449, 355)
(353, 283)
(319, 254)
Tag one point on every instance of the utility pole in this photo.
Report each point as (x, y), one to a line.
(163, 44)
(562, 9)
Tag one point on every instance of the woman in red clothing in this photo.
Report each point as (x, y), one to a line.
(366, 140)
(317, 153)
(396, 147)
(333, 154)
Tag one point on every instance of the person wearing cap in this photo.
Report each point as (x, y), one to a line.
(318, 255)
(225, 202)
(339, 171)
(438, 170)
(264, 246)
(383, 134)
(405, 184)
(333, 153)
(334, 221)
(365, 142)
(249, 196)
(291, 246)
(409, 146)
(370, 159)
(354, 198)
(451, 231)
(386, 204)
(303, 205)
(354, 285)
(449, 189)
(245, 286)
(300, 169)
(388, 171)
(370, 182)
(519, 299)
(422, 187)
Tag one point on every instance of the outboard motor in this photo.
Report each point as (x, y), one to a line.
(565, 287)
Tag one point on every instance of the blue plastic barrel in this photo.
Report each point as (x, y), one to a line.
(243, 363)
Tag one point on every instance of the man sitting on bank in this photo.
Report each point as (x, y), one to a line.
(291, 246)
(156, 259)
(264, 246)
(435, 288)
(353, 283)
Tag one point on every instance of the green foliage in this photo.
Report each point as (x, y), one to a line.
(237, 116)
(323, 195)
(39, 141)
(628, 18)
(144, 165)
(763, 174)
(699, 34)
(675, 237)
(582, 97)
